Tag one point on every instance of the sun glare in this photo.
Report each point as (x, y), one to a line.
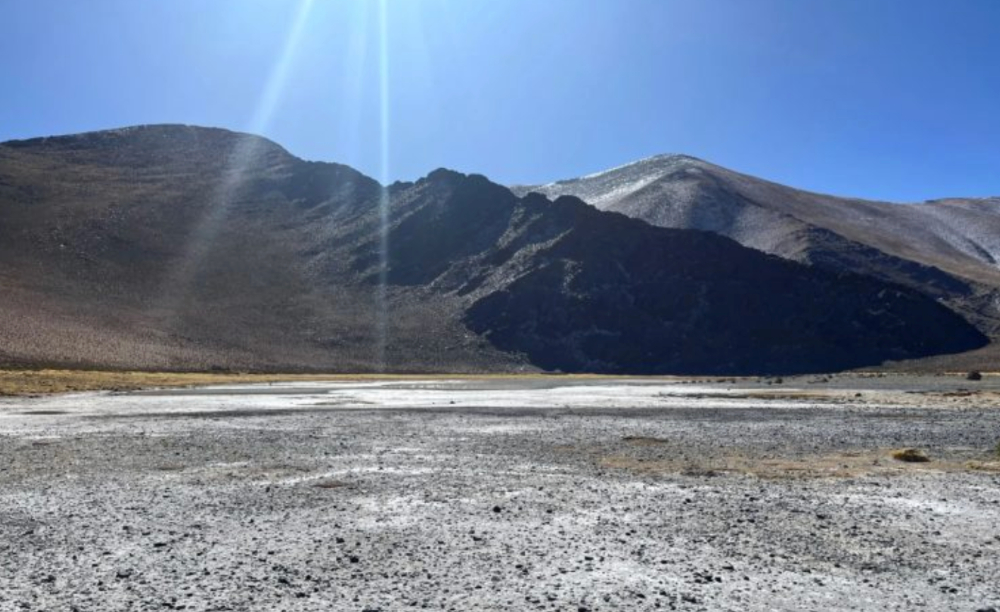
(177, 286)
(381, 305)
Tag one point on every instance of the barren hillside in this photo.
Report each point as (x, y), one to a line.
(177, 247)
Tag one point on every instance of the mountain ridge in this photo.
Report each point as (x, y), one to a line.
(946, 248)
(178, 247)
(685, 157)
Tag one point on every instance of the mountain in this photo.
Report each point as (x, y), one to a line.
(946, 249)
(178, 247)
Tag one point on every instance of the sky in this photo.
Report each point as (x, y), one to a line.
(896, 100)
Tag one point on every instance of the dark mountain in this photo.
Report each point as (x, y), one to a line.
(190, 248)
(946, 249)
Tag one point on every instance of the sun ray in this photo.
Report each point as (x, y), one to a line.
(279, 73)
(239, 160)
(381, 294)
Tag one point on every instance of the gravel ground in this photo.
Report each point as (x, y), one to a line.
(505, 494)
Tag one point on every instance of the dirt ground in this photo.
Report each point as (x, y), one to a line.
(536, 493)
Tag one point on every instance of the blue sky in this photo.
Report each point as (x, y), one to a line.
(897, 100)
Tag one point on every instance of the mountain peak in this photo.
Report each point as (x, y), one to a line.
(603, 189)
(444, 175)
(143, 131)
(662, 160)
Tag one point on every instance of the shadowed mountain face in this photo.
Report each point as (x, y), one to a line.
(947, 249)
(190, 248)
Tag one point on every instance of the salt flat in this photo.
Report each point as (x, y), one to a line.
(505, 494)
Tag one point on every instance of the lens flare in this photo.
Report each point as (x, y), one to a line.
(381, 293)
(244, 152)
(279, 73)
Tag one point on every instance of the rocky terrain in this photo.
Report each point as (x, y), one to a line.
(947, 249)
(180, 248)
(505, 494)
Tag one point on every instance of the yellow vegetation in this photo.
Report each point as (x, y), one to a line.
(32, 382)
(27, 382)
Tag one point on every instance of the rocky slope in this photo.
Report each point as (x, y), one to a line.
(947, 249)
(191, 248)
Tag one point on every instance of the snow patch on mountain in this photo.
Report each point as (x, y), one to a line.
(607, 188)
